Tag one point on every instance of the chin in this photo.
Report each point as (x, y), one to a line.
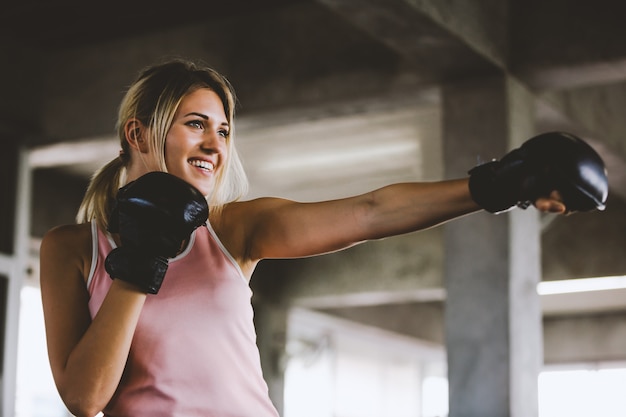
(204, 189)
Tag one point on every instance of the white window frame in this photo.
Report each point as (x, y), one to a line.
(14, 267)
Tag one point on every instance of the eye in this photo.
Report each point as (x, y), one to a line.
(223, 133)
(198, 124)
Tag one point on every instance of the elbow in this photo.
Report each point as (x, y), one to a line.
(84, 397)
(83, 405)
(82, 408)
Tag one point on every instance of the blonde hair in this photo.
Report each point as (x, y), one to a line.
(153, 99)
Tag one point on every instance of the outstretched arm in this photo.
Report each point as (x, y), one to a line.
(556, 172)
(284, 229)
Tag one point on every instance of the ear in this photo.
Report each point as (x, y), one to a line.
(134, 132)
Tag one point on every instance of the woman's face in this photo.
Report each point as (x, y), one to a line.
(195, 146)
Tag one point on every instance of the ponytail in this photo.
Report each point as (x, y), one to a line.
(101, 192)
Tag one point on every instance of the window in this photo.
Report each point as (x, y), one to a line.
(583, 391)
(337, 368)
(36, 394)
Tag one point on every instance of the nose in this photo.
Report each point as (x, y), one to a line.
(212, 141)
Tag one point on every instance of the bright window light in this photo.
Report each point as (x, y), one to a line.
(435, 396)
(582, 393)
(36, 392)
(581, 285)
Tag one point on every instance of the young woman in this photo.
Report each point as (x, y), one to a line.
(188, 348)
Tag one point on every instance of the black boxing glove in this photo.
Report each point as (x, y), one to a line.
(154, 216)
(554, 161)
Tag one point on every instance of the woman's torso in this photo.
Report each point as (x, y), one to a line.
(194, 350)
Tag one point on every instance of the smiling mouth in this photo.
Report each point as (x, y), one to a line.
(206, 165)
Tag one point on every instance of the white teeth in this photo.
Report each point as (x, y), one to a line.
(202, 164)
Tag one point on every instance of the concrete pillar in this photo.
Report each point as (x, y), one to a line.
(271, 324)
(492, 263)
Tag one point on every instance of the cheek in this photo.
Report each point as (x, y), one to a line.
(173, 162)
(224, 151)
(172, 148)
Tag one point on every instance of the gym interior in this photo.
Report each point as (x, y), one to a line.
(519, 314)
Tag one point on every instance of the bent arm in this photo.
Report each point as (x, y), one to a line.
(87, 357)
(283, 229)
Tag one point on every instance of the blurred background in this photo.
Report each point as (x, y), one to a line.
(510, 315)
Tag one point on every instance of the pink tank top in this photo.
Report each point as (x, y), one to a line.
(194, 351)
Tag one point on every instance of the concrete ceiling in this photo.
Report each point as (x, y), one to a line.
(295, 63)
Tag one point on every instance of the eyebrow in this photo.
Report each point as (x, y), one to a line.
(204, 117)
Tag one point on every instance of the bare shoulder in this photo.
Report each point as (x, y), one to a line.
(245, 212)
(67, 237)
(231, 222)
(67, 247)
(237, 222)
